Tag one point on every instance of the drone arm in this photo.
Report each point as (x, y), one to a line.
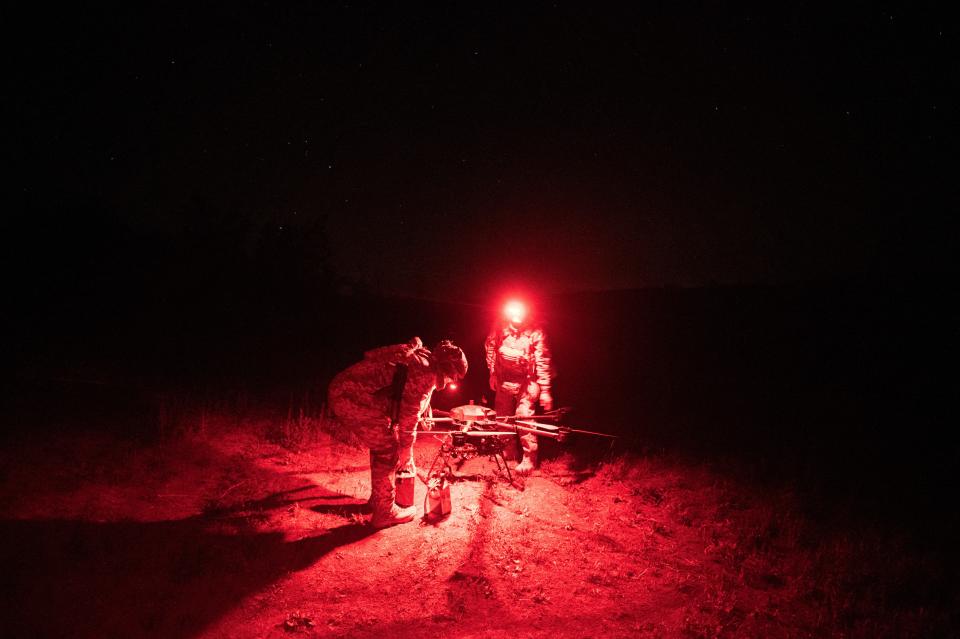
(530, 427)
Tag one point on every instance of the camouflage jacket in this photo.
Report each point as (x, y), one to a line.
(519, 355)
(369, 384)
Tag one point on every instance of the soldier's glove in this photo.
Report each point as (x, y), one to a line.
(493, 383)
(546, 401)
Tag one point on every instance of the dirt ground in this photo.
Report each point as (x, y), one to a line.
(229, 535)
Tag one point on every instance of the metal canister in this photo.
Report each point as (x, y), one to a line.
(438, 503)
(405, 485)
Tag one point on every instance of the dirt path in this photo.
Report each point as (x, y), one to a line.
(549, 558)
(234, 537)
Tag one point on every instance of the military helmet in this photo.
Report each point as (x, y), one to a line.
(449, 359)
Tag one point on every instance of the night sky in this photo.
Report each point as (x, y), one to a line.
(445, 151)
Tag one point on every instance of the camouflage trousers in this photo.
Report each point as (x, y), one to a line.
(518, 398)
(389, 450)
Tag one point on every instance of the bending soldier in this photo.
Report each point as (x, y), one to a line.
(380, 400)
(520, 373)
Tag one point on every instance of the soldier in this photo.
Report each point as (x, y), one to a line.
(380, 400)
(519, 361)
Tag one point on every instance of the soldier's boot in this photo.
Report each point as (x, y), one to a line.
(396, 515)
(383, 492)
(528, 442)
(527, 464)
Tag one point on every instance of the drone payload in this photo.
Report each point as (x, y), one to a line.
(471, 414)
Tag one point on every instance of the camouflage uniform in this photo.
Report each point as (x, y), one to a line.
(519, 360)
(359, 400)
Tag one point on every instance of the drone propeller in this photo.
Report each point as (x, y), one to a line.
(565, 429)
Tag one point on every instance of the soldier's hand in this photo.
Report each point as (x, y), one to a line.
(493, 383)
(546, 401)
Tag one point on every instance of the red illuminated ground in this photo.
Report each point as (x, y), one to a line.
(230, 536)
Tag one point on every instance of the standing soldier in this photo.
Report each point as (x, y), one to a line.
(380, 400)
(519, 361)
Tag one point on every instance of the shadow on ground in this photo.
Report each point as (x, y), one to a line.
(132, 579)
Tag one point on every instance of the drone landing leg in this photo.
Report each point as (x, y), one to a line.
(498, 457)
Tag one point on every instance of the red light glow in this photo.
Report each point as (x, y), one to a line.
(515, 311)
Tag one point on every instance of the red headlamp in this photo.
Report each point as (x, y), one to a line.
(515, 311)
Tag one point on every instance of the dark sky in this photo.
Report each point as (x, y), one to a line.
(444, 151)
